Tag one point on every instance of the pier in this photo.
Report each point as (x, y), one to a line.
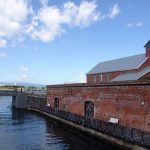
(117, 135)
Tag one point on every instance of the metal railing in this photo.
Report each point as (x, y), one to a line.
(8, 92)
(125, 133)
(39, 93)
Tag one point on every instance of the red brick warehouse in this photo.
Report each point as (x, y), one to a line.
(116, 90)
(124, 69)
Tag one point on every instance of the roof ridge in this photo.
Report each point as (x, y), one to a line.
(119, 64)
(120, 58)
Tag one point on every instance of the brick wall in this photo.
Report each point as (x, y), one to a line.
(90, 78)
(129, 102)
(148, 51)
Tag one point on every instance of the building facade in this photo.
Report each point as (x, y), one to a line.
(133, 68)
(112, 93)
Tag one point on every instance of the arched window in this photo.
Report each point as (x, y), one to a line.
(89, 109)
(56, 103)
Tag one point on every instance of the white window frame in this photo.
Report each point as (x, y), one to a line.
(107, 77)
(94, 78)
(101, 77)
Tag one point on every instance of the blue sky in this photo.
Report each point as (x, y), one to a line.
(54, 41)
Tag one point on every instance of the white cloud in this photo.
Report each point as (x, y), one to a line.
(82, 15)
(130, 25)
(12, 17)
(2, 43)
(23, 77)
(49, 21)
(22, 74)
(23, 68)
(44, 2)
(138, 24)
(3, 55)
(114, 11)
(18, 19)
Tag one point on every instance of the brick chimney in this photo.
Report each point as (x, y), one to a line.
(147, 47)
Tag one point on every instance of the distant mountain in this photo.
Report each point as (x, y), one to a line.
(26, 84)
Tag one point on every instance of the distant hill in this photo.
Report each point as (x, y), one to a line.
(26, 84)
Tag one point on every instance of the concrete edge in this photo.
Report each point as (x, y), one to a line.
(93, 133)
(113, 83)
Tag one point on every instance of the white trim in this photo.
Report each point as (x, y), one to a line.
(142, 63)
(143, 74)
(94, 78)
(101, 77)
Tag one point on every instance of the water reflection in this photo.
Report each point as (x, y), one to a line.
(74, 140)
(24, 130)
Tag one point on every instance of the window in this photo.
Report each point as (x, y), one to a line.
(94, 78)
(56, 103)
(101, 77)
(107, 77)
(89, 109)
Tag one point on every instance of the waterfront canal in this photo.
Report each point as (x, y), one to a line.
(24, 130)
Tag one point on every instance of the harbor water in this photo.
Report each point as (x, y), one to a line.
(25, 130)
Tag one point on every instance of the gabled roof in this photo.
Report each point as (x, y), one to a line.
(132, 76)
(126, 63)
(147, 44)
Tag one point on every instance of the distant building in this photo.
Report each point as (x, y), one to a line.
(133, 68)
